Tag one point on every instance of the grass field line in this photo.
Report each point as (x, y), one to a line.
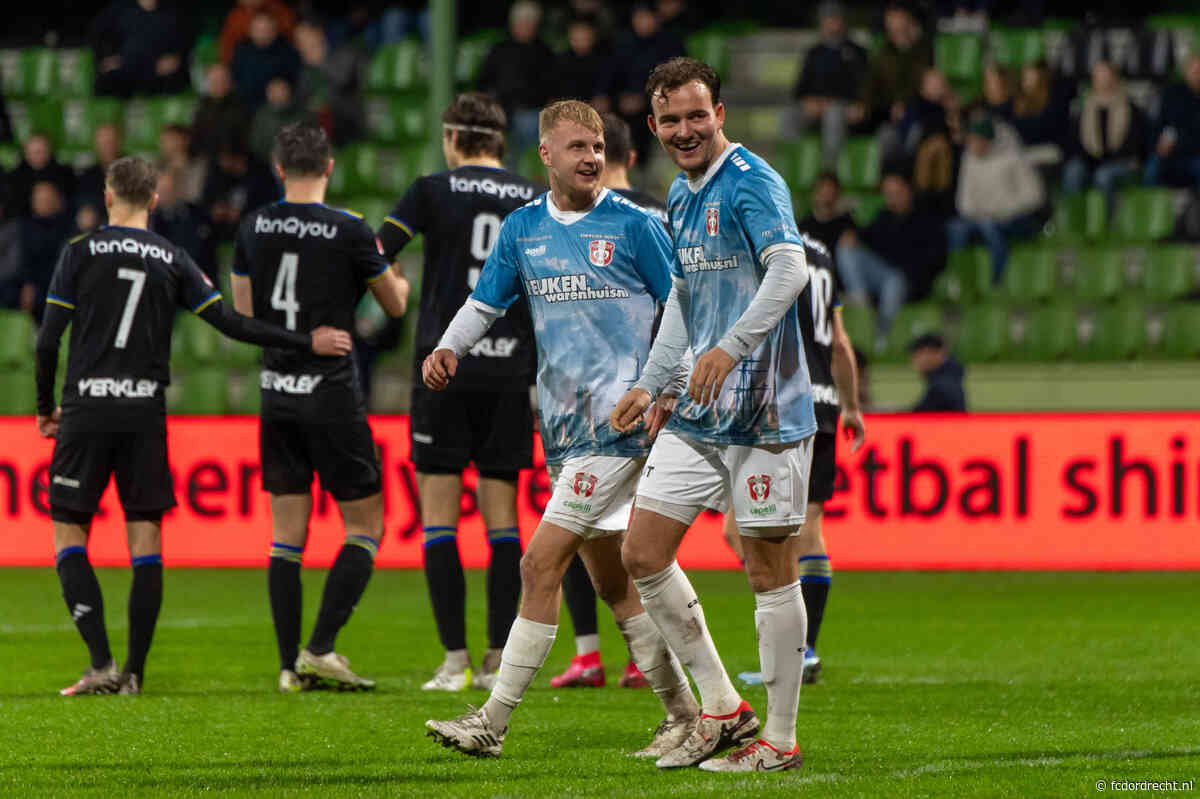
(194, 623)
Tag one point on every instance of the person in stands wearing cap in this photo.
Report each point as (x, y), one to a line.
(943, 375)
(1000, 194)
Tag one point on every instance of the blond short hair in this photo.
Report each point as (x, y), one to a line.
(569, 111)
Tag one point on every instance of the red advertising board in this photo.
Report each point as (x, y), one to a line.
(984, 491)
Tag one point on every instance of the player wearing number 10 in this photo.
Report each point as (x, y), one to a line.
(299, 263)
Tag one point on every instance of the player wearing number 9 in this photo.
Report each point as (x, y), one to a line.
(120, 287)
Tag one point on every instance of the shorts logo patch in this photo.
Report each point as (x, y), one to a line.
(759, 486)
(600, 252)
(584, 484)
(61, 480)
(712, 220)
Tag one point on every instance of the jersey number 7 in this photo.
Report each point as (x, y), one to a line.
(138, 280)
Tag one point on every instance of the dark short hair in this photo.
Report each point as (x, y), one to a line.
(302, 149)
(486, 119)
(828, 176)
(679, 71)
(133, 180)
(618, 139)
(927, 341)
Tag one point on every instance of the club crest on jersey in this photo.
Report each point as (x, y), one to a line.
(759, 486)
(712, 220)
(584, 484)
(600, 252)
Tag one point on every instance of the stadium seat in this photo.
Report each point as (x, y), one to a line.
(800, 160)
(204, 55)
(36, 115)
(1045, 333)
(1112, 333)
(912, 321)
(967, 276)
(959, 56)
(81, 117)
(194, 341)
(396, 67)
(397, 118)
(1144, 214)
(858, 163)
(1171, 271)
(1014, 47)
(530, 165)
(1079, 216)
(471, 52)
(1031, 275)
(10, 156)
(1099, 274)
(1181, 331)
(31, 72)
(983, 334)
(859, 321)
(394, 173)
(17, 335)
(76, 72)
(864, 207)
(710, 46)
(18, 393)
(199, 391)
(356, 170)
(141, 126)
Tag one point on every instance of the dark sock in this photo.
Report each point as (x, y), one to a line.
(816, 576)
(503, 583)
(580, 597)
(283, 586)
(343, 588)
(145, 599)
(81, 590)
(447, 586)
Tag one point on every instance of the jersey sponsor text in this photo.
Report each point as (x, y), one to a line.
(131, 246)
(692, 259)
(289, 384)
(117, 388)
(505, 191)
(292, 226)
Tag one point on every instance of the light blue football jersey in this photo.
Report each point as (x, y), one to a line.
(723, 227)
(593, 283)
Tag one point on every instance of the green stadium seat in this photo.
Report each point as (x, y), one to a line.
(394, 173)
(18, 393)
(1079, 216)
(801, 162)
(194, 341)
(1112, 333)
(81, 116)
(1099, 274)
(199, 391)
(912, 321)
(967, 276)
(859, 321)
(959, 56)
(76, 72)
(397, 118)
(1045, 333)
(1144, 214)
(1014, 47)
(421, 158)
(10, 156)
(204, 55)
(142, 124)
(471, 52)
(710, 46)
(1031, 275)
(530, 165)
(858, 163)
(36, 115)
(31, 72)
(1181, 331)
(396, 67)
(864, 207)
(1171, 271)
(356, 170)
(17, 335)
(983, 335)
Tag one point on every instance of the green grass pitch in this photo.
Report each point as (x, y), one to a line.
(936, 684)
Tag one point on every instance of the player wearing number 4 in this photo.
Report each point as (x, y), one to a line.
(119, 289)
(300, 263)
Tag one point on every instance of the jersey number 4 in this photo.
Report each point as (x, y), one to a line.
(283, 296)
(137, 278)
(484, 230)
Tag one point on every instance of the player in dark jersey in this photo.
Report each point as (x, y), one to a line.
(299, 263)
(586, 669)
(119, 288)
(485, 416)
(831, 368)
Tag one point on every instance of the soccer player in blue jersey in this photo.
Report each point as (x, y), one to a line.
(593, 268)
(742, 434)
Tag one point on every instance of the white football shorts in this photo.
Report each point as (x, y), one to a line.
(593, 494)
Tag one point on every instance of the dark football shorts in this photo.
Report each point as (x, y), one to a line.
(824, 467)
(83, 462)
(453, 428)
(342, 454)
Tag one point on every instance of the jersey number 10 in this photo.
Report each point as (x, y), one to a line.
(822, 295)
(484, 231)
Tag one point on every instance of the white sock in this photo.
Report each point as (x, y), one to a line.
(671, 602)
(781, 622)
(524, 653)
(586, 644)
(659, 665)
(458, 659)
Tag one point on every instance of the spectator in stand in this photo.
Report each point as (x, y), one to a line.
(140, 47)
(905, 238)
(829, 222)
(1042, 109)
(677, 17)
(1109, 137)
(1000, 193)
(89, 191)
(935, 109)
(643, 48)
(830, 85)
(235, 183)
(37, 165)
(184, 223)
(942, 372)
(516, 72)
(895, 74)
(330, 83)
(237, 24)
(282, 108)
(43, 234)
(558, 20)
(174, 152)
(1176, 157)
(219, 112)
(263, 56)
(997, 99)
(584, 72)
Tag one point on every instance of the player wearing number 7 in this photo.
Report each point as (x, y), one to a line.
(119, 289)
(300, 263)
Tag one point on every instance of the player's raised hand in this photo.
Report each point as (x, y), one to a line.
(853, 429)
(438, 368)
(629, 410)
(708, 375)
(48, 425)
(331, 341)
(659, 413)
